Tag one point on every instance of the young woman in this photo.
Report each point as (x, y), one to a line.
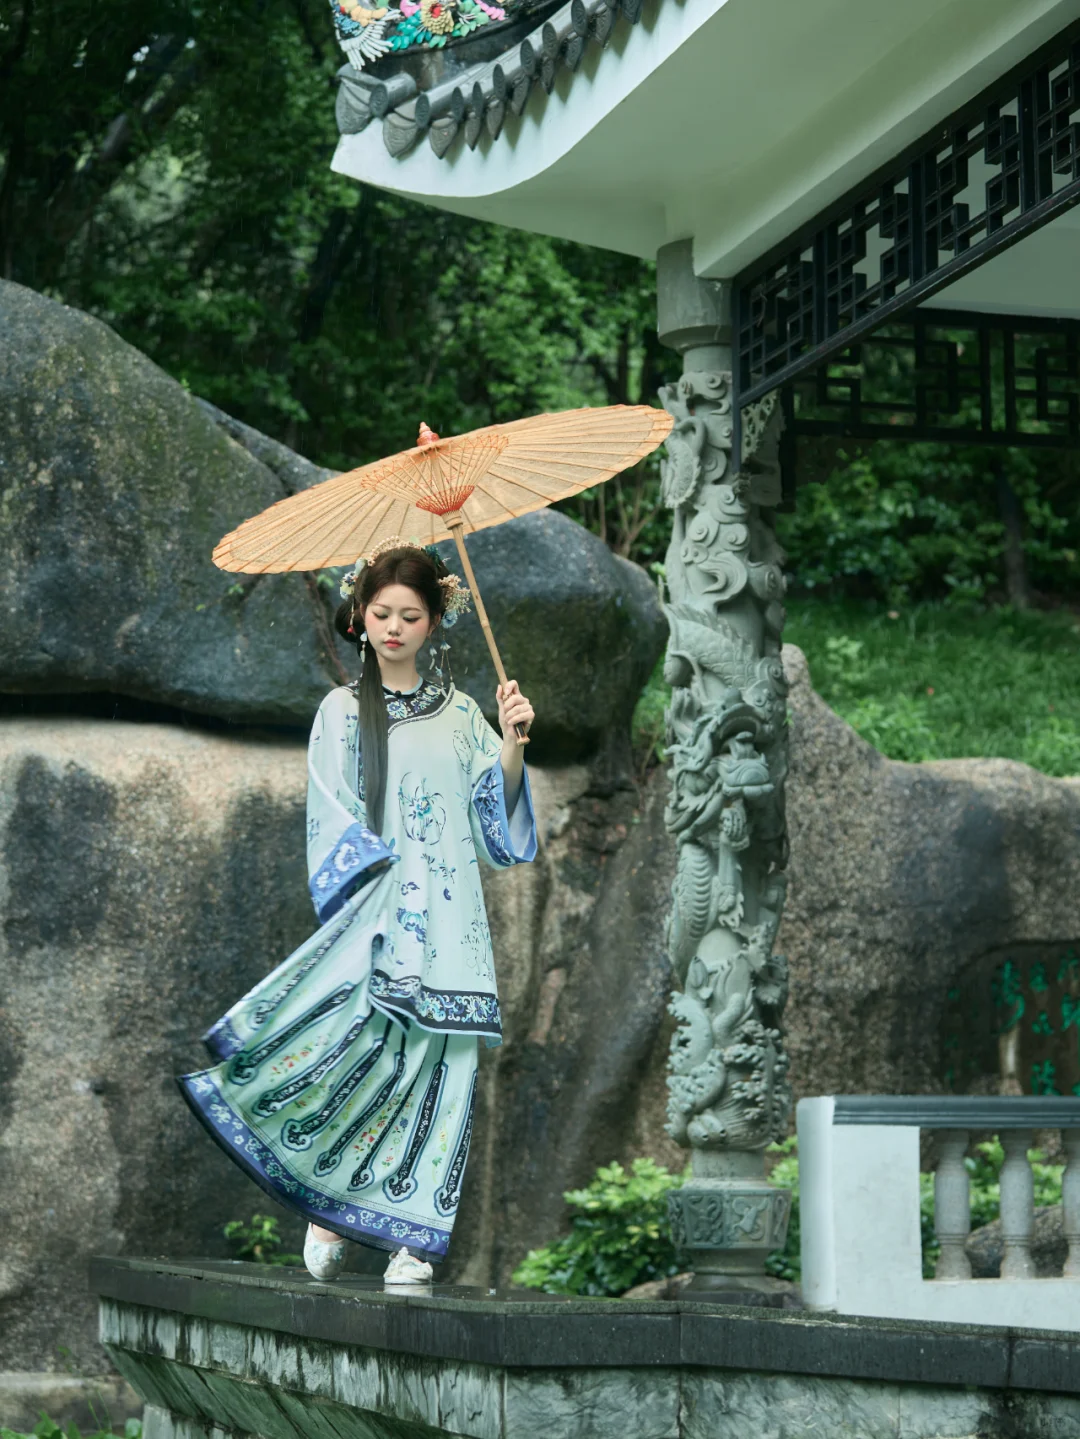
(345, 1080)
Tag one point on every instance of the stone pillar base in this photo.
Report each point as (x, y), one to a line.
(725, 1229)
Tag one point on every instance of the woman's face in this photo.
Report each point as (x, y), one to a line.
(397, 623)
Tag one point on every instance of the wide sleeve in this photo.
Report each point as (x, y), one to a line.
(501, 839)
(342, 852)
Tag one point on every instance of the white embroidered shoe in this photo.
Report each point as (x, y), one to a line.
(404, 1269)
(324, 1261)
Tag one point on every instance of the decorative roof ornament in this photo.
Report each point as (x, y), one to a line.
(362, 32)
(366, 34)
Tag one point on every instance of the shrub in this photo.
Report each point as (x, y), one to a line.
(786, 1263)
(903, 522)
(619, 1235)
(258, 1241)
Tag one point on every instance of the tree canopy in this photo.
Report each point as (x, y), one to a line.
(168, 169)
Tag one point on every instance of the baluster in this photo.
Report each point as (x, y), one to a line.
(1017, 1205)
(952, 1205)
(1070, 1201)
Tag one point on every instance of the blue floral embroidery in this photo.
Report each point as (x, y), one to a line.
(483, 738)
(423, 813)
(488, 799)
(413, 923)
(356, 851)
(463, 746)
(437, 1008)
(437, 866)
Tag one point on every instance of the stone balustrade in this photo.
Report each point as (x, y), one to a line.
(861, 1233)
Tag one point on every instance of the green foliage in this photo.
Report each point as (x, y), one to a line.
(932, 681)
(46, 1429)
(619, 1235)
(945, 682)
(647, 726)
(178, 184)
(258, 1241)
(786, 1263)
(903, 522)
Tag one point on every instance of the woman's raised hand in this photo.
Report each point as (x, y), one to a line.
(514, 709)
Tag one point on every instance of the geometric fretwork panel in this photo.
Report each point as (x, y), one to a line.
(948, 375)
(1003, 166)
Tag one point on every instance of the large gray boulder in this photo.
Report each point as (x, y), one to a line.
(115, 485)
(910, 884)
(150, 876)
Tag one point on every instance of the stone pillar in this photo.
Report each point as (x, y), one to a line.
(729, 1096)
(952, 1205)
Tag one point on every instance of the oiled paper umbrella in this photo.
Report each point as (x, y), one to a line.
(445, 487)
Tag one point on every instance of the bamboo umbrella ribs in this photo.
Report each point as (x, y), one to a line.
(443, 487)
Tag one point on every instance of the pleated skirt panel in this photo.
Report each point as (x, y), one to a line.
(354, 1117)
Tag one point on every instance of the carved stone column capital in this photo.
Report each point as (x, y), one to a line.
(692, 314)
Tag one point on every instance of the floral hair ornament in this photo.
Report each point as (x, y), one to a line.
(456, 596)
(347, 587)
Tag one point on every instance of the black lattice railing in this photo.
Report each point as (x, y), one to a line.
(959, 376)
(1003, 166)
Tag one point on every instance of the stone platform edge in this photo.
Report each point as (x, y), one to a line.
(553, 1333)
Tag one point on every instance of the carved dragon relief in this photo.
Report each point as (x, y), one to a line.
(727, 740)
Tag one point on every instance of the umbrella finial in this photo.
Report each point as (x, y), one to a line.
(427, 435)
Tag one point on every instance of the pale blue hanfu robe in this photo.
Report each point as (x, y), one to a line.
(346, 1079)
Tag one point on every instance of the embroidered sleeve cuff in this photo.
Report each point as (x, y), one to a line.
(356, 853)
(508, 839)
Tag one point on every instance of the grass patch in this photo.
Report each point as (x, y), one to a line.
(939, 682)
(931, 681)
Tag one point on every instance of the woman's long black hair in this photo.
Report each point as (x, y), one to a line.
(420, 571)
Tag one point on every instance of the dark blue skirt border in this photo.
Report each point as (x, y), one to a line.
(253, 1157)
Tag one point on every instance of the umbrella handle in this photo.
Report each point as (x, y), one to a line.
(455, 528)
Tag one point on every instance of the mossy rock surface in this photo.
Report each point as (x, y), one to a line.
(115, 486)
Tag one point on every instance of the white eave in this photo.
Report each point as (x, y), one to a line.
(730, 121)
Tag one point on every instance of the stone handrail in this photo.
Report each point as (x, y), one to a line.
(861, 1242)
